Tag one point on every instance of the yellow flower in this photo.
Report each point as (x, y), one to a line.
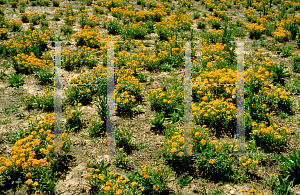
(3, 168)
(212, 161)
(35, 184)
(255, 132)
(8, 163)
(118, 100)
(242, 190)
(106, 188)
(173, 150)
(118, 192)
(133, 184)
(155, 187)
(28, 174)
(214, 142)
(29, 181)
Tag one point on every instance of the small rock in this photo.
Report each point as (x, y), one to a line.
(232, 192)
(37, 89)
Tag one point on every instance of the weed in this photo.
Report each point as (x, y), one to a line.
(184, 180)
(16, 80)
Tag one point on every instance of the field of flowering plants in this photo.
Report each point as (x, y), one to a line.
(151, 45)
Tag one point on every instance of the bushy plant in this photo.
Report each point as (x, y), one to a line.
(291, 167)
(79, 94)
(165, 101)
(45, 100)
(279, 74)
(122, 161)
(158, 122)
(45, 75)
(143, 181)
(123, 139)
(16, 80)
(270, 138)
(55, 3)
(135, 31)
(113, 26)
(73, 122)
(97, 127)
(31, 164)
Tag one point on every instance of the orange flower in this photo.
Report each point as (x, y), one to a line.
(211, 161)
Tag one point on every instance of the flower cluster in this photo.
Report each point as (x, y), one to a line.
(73, 122)
(270, 138)
(144, 180)
(88, 36)
(43, 100)
(3, 33)
(83, 56)
(30, 159)
(165, 101)
(216, 114)
(255, 30)
(281, 34)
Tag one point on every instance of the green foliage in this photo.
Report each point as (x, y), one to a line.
(158, 122)
(148, 178)
(73, 122)
(287, 51)
(283, 115)
(167, 101)
(55, 3)
(270, 139)
(10, 109)
(66, 29)
(97, 127)
(122, 160)
(123, 139)
(45, 101)
(16, 80)
(253, 105)
(279, 74)
(16, 135)
(201, 23)
(291, 167)
(114, 27)
(196, 15)
(45, 75)
(262, 42)
(296, 64)
(135, 31)
(184, 180)
(283, 188)
(79, 94)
